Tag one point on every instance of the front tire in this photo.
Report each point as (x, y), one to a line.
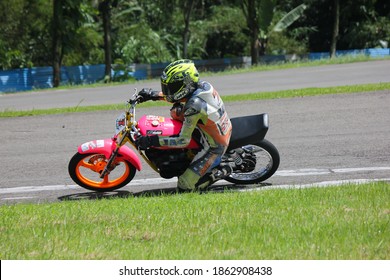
(85, 170)
(267, 162)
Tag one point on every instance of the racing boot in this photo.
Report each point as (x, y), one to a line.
(216, 174)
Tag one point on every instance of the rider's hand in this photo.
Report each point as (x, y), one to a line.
(147, 94)
(177, 112)
(144, 142)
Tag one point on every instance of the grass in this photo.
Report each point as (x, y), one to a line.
(300, 63)
(307, 92)
(229, 98)
(76, 109)
(345, 222)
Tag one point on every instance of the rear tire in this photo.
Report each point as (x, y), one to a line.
(267, 162)
(85, 169)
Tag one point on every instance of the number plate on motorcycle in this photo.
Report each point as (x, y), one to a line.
(120, 123)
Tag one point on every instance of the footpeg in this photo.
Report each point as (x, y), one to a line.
(221, 172)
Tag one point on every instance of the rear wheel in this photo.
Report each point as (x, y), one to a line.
(263, 161)
(85, 170)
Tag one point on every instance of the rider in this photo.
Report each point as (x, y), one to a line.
(198, 105)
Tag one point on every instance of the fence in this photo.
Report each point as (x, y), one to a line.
(367, 52)
(42, 77)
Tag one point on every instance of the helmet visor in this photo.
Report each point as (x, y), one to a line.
(171, 88)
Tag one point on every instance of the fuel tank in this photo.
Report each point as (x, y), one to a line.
(162, 126)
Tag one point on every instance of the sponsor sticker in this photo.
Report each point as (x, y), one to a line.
(92, 145)
(154, 132)
(152, 118)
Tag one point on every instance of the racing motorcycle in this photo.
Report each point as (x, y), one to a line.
(108, 164)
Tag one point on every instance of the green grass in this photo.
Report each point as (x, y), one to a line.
(345, 222)
(299, 63)
(76, 109)
(229, 98)
(307, 92)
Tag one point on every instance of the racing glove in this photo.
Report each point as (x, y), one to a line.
(177, 112)
(147, 94)
(144, 142)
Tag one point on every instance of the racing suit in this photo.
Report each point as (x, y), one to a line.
(203, 110)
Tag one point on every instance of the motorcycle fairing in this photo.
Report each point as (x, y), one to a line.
(248, 130)
(156, 125)
(106, 147)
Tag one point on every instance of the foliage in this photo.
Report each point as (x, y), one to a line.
(137, 51)
(153, 30)
(362, 24)
(24, 39)
(289, 18)
(222, 38)
(87, 40)
(288, 41)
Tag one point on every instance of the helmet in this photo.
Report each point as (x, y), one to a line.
(179, 80)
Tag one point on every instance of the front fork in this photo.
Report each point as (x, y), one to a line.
(114, 154)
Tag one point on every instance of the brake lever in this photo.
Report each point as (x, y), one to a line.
(134, 98)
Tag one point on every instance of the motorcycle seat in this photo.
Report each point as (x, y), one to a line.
(248, 130)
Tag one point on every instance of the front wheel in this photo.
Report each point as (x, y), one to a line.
(264, 158)
(85, 170)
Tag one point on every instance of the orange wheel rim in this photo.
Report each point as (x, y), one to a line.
(94, 170)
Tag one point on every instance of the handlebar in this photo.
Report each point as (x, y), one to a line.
(135, 99)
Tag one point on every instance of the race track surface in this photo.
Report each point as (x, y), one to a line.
(304, 77)
(320, 139)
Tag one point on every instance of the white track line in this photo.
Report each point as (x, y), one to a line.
(158, 181)
(323, 184)
(314, 171)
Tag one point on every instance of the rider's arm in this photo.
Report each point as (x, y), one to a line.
(193, 113)
(157, 95)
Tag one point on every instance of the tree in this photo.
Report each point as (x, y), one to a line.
(259, 15)
(67, 18)
(252, 19)
(336, 22)
(282, 25)
(105, 7)
(224, 39)
(151, 31)
(57, 41)
(139, 32)
(187, 9)
(24, 40)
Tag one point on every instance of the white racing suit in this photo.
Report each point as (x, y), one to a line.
(204, 110)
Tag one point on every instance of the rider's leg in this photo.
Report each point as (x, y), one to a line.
(202, 172)
(203, 162)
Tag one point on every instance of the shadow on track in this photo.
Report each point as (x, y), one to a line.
(156, 192)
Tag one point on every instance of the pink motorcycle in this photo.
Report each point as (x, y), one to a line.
(108, 164)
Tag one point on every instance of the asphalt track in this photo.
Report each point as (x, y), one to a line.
(304, 77)
(328, 138)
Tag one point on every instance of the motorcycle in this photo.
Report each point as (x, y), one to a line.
(108, 164)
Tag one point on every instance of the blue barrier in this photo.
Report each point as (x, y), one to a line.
(368, 52)
(42, 77)
(15, 80)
